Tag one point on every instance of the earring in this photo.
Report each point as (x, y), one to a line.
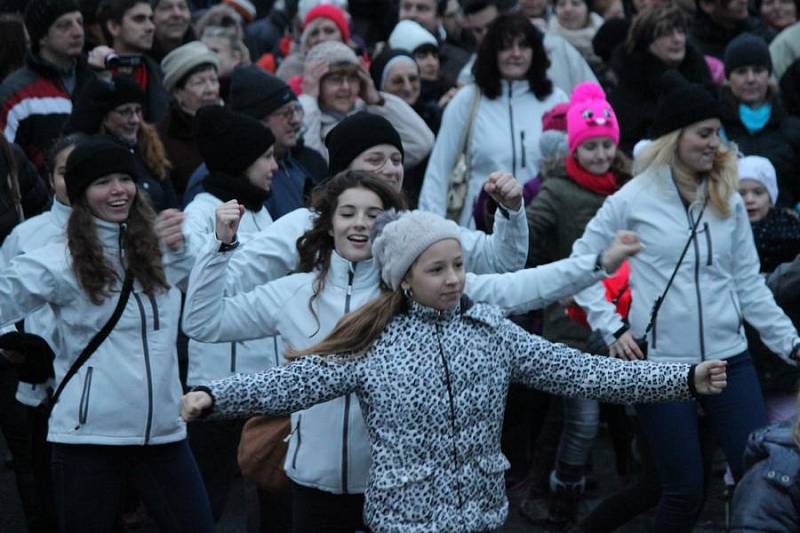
(408, 293)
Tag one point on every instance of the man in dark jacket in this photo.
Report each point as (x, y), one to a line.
(267, 98)
(37, 98)
(128, 26)
(717, 22)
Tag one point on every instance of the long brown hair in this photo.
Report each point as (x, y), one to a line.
(151, 149)
(94, 272)
(355, 332)
(315, 246)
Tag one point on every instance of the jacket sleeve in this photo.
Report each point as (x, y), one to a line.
(505, 250)
(534, 288)
(784, 283)
(558, 369)
(211, 316)
(417, 137)
(312, 123)
(762, 502)
(29, 282)
(542, 215)
(433, 195)
(758, 304)
(285, 389)
(600, 313)
(269, 254)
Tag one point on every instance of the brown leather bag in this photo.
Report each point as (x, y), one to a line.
(262, 450)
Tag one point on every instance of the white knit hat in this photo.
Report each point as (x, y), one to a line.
(408, 35)
(333, 53)
(183, 59)
(757, 168)
(398, 238)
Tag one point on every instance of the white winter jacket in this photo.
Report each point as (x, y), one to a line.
(717, 286)
(209, 361)
(416, 136)
(272, 253)
(128, 392)
(504, 136)
(30, 235)
(329, 448)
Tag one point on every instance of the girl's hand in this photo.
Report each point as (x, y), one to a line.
(368, 92)
(504, 189)
(228, 217)
(446, 97)
(169, 228)
(710, 377)
(312, 76)
(625, 347)
(97, 57)
(193, 403)
(625, 244)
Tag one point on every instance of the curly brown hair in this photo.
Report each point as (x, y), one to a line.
(92, 269)
(315, 246)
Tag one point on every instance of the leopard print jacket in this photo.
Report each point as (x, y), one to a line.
(433, 390)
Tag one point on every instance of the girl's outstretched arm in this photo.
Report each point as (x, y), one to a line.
(280, 390)
(558, 369)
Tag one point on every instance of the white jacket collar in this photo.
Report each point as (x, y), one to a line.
(364, 273)
(60, 213)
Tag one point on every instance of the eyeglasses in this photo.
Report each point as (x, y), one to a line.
(287, 114)
(129, 112)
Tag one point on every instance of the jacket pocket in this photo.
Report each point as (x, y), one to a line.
(83, 405)
(299, 441)
(738, 311)
(490, 487)
(406, 492)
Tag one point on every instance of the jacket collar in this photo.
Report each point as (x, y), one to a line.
(110, 234)
(429, 314)
(364, 273)
(511, 89)
(60, 213)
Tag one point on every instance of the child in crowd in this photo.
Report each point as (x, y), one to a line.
(417, 359)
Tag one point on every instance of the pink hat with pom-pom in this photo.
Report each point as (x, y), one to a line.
(590, 115)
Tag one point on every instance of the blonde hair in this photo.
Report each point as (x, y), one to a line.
(355, 332)
(723, 178)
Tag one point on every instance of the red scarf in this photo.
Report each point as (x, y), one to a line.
(603, 184)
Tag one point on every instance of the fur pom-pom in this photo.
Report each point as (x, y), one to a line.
(387, 217)
(587, 90)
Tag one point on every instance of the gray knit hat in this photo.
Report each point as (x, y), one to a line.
(183, 59)
(398, 238)
(333, 53)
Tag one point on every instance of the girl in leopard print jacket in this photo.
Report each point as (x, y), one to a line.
(431, 372)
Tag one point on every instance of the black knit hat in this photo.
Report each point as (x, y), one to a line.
(385, 59)
(355, 134)
(98, 98)
(257, 93)
(41, 14)
(681, 104)
(94, 158)
(747, 50)
(230, 142)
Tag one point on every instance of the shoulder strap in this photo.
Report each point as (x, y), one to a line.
(463, 142)
(99, 337)
(660, 299)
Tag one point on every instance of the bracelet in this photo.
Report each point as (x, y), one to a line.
(227, 247)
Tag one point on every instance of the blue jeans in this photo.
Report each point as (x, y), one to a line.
(88, 482)
(672, 434)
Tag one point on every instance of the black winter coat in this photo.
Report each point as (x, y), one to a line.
(778, 141)
(634, 99)
(33, 191)
(712, 39)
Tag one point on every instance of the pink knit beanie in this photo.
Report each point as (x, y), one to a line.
(590, 115)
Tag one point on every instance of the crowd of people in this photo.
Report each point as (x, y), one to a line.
(430, 248)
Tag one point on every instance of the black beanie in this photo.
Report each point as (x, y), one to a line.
(94, 158)
(230, 142)
(681, 104)
(98, 98)
(379, 64)
(256, 93)
(355, 134)
(746, 50)
(40, 15)
(609, 37)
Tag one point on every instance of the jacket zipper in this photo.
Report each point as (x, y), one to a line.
(351, 272)
(738, 312)
(233, 357)
(148, 370)
(154, 307)
(299, 441)
(275, 347)
(513, 141)
(696, 245)
(522, 147)
(708, 244)
(83, 405)
(449, 385)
